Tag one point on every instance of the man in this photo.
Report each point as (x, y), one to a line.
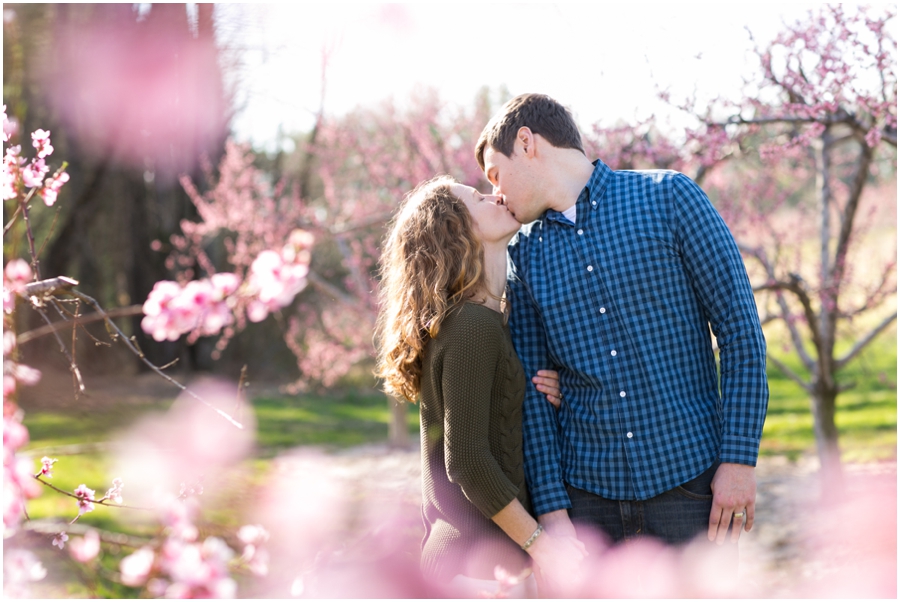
(615, 281)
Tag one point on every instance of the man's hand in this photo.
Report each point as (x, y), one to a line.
(734, 500)
(560, 557)
(558, 523)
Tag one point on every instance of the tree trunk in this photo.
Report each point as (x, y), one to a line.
(823, 409)
(398, 432)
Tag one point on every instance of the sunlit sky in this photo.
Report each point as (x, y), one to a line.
(604, 61)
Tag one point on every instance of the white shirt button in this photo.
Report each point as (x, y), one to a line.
(580, 231)
(590, 268)
(629, 435)
(613, 353)
(621, 393)
(594, 203)
(602, 310)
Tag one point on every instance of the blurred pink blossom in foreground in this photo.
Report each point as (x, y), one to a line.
(16, 275)
(20, 569)
(86, 548)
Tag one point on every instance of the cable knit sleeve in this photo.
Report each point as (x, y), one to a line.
(472, 355)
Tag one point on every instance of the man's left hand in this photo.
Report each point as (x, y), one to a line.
(734, 501)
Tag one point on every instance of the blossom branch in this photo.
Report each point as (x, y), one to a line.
(140, 354)
(102, 501)
(35, 263)
(73, 367)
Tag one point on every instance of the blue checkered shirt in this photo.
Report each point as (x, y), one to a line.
(621, 303)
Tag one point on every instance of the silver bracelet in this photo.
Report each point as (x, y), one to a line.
(538, 531)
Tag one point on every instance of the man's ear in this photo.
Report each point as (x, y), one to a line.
(525, 141)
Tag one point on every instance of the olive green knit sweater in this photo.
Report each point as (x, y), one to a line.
(472, 465)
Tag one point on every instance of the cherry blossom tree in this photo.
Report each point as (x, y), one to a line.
(809, 154)
(352, 172)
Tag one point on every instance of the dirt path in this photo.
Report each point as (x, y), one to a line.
(776, 556)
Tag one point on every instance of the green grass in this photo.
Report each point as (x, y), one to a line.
(866, 415)
(353, 419)
(866, 420)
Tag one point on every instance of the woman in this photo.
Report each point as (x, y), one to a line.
(443, 339)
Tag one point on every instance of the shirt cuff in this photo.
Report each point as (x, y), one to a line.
(739, 450)
(549, 498)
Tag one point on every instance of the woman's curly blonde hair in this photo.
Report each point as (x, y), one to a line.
(432, 262)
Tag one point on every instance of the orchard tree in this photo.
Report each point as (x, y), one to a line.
(816, 139)
(347, 178)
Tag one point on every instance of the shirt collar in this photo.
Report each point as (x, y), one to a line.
(592, 192)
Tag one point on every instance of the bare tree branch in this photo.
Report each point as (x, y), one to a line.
(789, 373)
(861, 344)
(128, 343)
(760, 255)
(849, 213)
(119, 312)
(48, 527)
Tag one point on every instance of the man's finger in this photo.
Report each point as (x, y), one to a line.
(737, 525)
(715, 517)
(751, 511)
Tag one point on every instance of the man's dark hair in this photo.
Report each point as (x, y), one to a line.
(540, 113)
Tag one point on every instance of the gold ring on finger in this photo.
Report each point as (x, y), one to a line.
(739, 515)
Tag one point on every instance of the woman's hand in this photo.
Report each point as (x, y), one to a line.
(558, 559)
(547, 382)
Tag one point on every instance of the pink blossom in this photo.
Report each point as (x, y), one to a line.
(18, 270)
(26, 375)
(60, 540)
(198, 571)
(873, 137)
(15, 435)
(47, 466)
(159, 321)
(20, 568)
(178, 516)
(202, 307)
(34, 172)
(255, 555)
(217, 314)
(275, 279)
(10, 126)
(41, 141)
(136, 567)
(84, 549)
(7, 183)
(115, 492)
(52, 186)
(23, 475)
(11, 164)
(85, 499)
(15, 276)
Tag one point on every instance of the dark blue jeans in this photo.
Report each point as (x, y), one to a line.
(675, 516)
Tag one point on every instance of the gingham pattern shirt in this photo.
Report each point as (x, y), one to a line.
(621, 303)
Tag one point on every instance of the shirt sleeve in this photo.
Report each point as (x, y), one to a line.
(540, 428)
(470, 362)
(714, 263)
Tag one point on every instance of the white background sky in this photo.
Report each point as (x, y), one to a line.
(603, 60)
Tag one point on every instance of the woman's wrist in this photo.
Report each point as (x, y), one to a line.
(534, 536)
